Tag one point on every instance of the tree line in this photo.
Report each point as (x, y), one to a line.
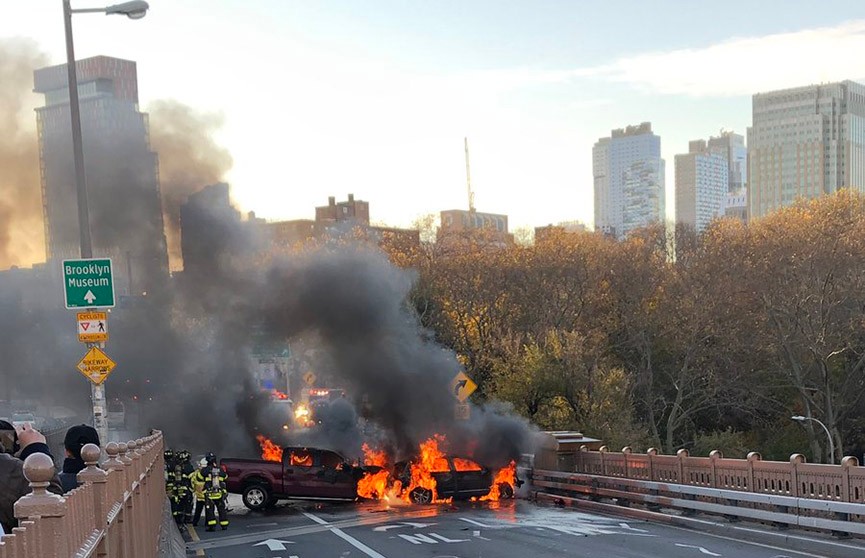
(667, 338)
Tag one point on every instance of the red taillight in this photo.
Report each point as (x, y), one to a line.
(224, 468)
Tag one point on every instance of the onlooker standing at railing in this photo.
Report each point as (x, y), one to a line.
(76, 438)
(13, 484)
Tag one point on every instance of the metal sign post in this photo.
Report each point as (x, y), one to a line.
(96, 366)
(88, 284)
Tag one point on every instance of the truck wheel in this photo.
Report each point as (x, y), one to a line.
(421, 495)
(256, 496)
(506, 491)
(271, 502)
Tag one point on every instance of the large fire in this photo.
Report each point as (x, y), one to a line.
(506, 475)
(374, 485)
(431, 459)
(269, 450)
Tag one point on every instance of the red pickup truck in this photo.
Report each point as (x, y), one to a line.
(303, 473)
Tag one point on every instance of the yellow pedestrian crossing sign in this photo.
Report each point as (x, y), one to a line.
(309, 378)
(462, 386)
(96, 366)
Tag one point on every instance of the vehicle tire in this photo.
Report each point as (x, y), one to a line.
(506, 491)
(271, 502)
(256, 496)
(421, 495)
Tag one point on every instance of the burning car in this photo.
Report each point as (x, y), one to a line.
(434, 477)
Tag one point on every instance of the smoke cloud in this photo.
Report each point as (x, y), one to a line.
(21, 231)
(185, 350)
(189, 158)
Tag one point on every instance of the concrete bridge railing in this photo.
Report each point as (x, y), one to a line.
(115, 513)
(826, 497)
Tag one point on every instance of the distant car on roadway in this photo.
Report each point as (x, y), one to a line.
(303, 473)
(457, 478)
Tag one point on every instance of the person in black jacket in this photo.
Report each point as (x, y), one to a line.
(13, 485)
(76, 438)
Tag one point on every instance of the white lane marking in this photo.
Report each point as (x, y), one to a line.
(274, 544)
(700, 548)
(346, 537)
(447, 540)
(420, 538)
(403, 524)
(478, 523)
(629, 528)
(762, 545)
(253, 525)
(478, 535)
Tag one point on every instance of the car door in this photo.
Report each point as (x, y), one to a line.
(471, 479)
(298, 472)
(335, 480)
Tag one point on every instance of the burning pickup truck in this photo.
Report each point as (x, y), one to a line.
(292, 473)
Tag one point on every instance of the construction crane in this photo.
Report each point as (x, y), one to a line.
(469, 179)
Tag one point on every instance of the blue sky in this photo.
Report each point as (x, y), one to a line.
(374, 97)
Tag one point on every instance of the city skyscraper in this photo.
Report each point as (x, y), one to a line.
(702, 184)
(628, 179)
(805, 142)
(120, 168)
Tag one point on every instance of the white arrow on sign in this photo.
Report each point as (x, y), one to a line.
(89, 297)
(274, 544)
(403, 524)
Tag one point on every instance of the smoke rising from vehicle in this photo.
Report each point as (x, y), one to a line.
(184, 351)
(21, 231)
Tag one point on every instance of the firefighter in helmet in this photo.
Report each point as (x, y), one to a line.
(197, 480)
(169, 457)
(183, 485)
(215, 494)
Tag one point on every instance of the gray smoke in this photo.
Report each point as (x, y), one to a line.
(21, 232)
(184, 350)
(189, 157)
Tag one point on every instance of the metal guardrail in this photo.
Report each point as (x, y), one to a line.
(115, 513)
(826, 497)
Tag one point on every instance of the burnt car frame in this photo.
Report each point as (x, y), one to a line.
(470, 480)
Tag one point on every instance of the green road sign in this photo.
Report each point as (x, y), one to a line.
(88, 283)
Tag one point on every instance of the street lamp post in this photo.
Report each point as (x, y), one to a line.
(800, 418)
(133, 10)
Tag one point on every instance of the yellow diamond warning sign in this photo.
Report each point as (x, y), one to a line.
(96, 366)
(462, 386)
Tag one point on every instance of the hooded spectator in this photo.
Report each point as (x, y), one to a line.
(76, 438)
(13, 484)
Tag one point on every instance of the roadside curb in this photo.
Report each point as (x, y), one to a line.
(171, 543)
(783, 541)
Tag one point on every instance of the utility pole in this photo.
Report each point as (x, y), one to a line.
(469, 178)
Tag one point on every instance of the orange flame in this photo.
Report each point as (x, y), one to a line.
(373, 485)
(269, 450)
(461, 464)
(506, 475)
(432, 460)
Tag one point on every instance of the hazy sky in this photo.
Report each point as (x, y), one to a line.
(374, 97)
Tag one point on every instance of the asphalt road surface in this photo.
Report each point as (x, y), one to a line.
(508, 529)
